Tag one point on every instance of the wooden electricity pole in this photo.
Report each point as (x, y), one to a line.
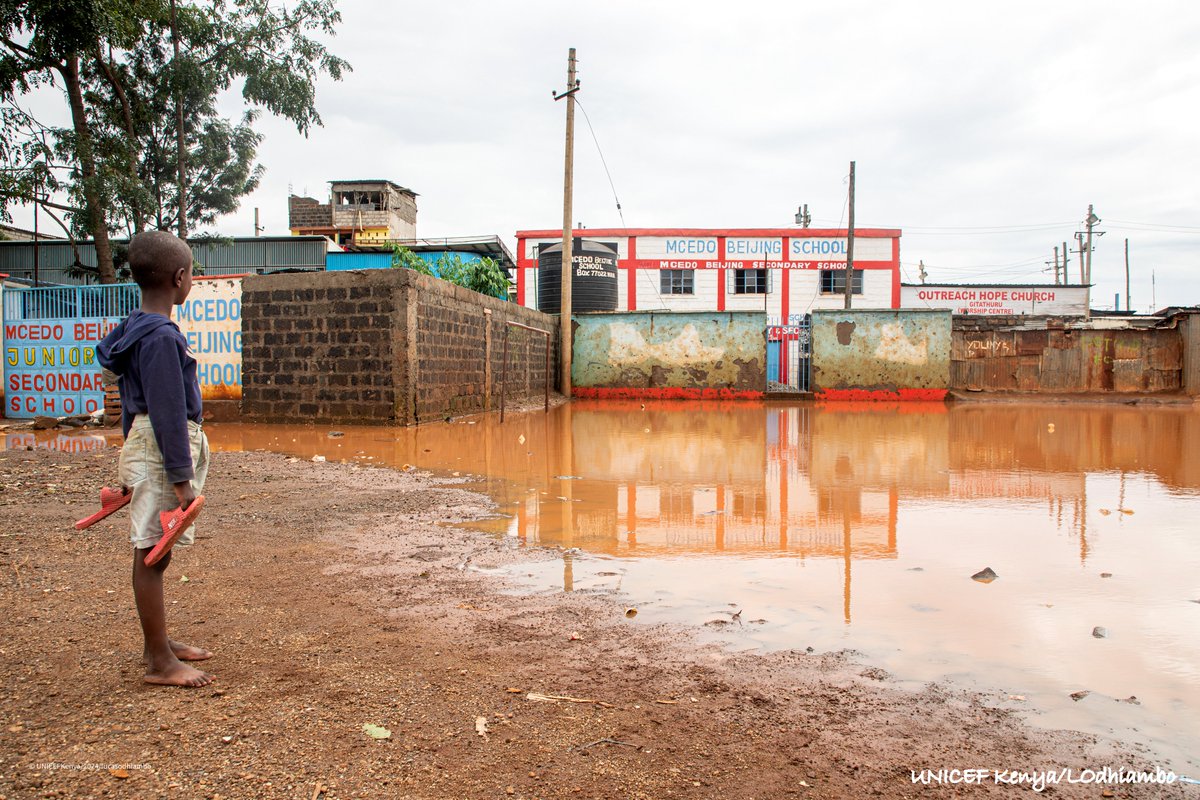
(850, 241)
(564, 318)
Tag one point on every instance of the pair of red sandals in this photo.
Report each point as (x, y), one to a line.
(174, 522)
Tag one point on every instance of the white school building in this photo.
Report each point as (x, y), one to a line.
(787, 272)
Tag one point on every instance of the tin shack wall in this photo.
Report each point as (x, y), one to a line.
(1045, 356)
(880, 354)
(1189, 330)
(669, 354)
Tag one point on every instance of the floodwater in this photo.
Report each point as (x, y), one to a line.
(859, 526)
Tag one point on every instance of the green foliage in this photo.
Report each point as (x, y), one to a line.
(403, 258)
(120, 159)
(483, 275)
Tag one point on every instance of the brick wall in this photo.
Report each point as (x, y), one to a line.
(306, 212)
(385, 346)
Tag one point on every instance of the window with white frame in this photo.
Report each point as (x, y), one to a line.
(676, 281)
(751, 281)
(833, 281)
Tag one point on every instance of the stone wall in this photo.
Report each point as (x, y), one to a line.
(383, 346)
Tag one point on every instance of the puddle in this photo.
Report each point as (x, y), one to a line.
(772, 526)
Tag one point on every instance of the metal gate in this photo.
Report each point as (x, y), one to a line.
(789, 355)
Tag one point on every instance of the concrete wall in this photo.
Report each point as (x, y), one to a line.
(1045, 356)
(387, 346)
(666, 354)
(881, 354)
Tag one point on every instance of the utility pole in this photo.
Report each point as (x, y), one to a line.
(922, 272)
(257, 228)
(1091, 220)
(568, 262)
(1127, 306)
(802, 217)
(1066, 258)
(1079, 243)
(850, 241)
(1056, 280)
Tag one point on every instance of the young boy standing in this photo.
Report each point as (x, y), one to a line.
(165, 458)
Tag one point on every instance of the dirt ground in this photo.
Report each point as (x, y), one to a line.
(334, 598)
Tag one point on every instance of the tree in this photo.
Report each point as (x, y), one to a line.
(41, 40)
(483, 275)
(147, 145)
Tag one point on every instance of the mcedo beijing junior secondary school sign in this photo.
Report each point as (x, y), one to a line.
(50, 366)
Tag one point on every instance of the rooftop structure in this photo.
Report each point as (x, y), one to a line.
(359, 213)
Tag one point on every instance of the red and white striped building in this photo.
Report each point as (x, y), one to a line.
(787, 272)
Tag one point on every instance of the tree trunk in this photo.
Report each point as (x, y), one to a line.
(139, 213)
(180, 140)
(87, 169)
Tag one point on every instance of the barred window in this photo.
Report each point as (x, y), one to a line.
(833, 281)
(750, 281)
(676, 281)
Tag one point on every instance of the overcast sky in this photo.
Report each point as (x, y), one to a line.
(981, 131)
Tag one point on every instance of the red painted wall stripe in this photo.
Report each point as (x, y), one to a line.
(520, 272)
(881, 395)
(663, 393)
(631, 291)
(750, 233)
(896, 272)
(721, 274)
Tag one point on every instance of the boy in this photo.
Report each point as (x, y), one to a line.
(165, 457)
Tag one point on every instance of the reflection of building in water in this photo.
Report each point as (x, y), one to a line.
(660, 481)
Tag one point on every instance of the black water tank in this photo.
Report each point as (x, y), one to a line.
(593, 284)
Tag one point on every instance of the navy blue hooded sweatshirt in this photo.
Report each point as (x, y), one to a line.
(158, 377)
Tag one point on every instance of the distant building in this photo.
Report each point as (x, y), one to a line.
(786, 272)
(359, 213)
(56, 260)
(9, 233)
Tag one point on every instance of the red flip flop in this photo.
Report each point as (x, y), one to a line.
(110, 501)
(174, 523)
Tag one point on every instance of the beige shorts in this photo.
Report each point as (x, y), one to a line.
(141, 468)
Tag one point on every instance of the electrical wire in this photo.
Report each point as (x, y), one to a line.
(602, 161)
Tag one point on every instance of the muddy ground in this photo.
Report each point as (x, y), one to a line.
(334, 599)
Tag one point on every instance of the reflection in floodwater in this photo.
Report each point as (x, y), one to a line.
(858, 526)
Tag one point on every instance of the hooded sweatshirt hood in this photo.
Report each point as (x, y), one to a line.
(118, 346)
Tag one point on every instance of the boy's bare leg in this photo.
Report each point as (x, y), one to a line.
(162, 664)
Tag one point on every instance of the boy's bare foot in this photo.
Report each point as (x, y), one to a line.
(177, 674)
(184, 652)
(187, 652)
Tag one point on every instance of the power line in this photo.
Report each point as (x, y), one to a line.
(602, 161)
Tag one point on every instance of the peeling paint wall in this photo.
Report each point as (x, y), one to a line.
(881, 354)
(669, 354)
(994, 356)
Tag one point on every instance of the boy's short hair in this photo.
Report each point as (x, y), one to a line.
(154, 256)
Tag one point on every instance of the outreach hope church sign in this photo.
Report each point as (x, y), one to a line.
(998, 300)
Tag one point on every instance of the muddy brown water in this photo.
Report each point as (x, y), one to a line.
(857, 527)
